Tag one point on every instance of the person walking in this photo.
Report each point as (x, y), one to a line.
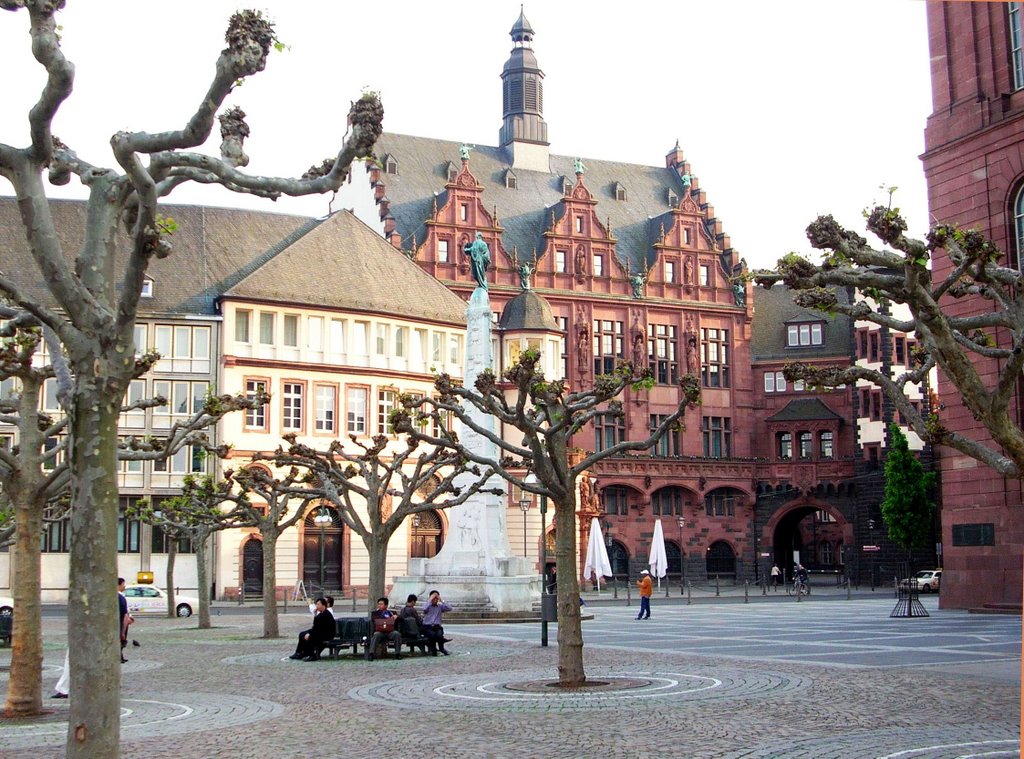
(125, 618)
(646, 588)
(776, 576)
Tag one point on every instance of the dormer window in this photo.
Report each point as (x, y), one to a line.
(390, 165)
(566, 186)
(511, 182)
(147, 288)
(673, 199)
(803, 335)
(452, 171)
(620, 192)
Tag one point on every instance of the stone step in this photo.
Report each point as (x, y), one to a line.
(997, 608)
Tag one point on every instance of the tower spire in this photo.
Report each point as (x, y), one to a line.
(523, 130)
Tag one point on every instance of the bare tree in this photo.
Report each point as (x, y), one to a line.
(94, 316)
(36, 477)
(548, 415)
(992, 334)
(195, 514)
(272, 520)
(385, 483)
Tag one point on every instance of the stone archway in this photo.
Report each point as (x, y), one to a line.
(800, 531)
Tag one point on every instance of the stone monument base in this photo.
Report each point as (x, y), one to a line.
(502, 594)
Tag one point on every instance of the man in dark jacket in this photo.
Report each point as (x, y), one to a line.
(313, 641)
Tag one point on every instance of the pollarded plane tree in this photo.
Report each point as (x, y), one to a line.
(376, 486)
(35, 475)
(96, 289)
(194, 515)
(991, 334)
(548, 415)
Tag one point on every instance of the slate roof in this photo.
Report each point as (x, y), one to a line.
(525, 212)
(528, 310)
(337, 262)
(774, 309)
(803, 410)
(342, 262)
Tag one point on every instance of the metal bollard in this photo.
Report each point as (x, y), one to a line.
(746, 591)
(615, 588)
(689, 600)
(241, 595)
(629, 596)
(847, 588)
(666, 587)
(353, 599)
(764, 586)
(718, 590)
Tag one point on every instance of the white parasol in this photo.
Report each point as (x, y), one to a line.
(597, 555)
(658, 560)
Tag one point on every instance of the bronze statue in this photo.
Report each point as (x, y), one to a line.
(525, 269)
(638, 281)
(479, 259)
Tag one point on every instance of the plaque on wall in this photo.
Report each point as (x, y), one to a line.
(974, 534)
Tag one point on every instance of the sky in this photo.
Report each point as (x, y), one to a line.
(785, 110)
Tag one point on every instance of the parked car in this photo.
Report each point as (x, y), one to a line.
(6, 606)
(145, 599)
(926, 580)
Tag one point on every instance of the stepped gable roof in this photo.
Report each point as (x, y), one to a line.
(209, 249)
(525, 212)
(774, 309)
(343, 263)
(528, 311)
(804, 410)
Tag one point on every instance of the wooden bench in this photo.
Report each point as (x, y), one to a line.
(6, 627)
(412, 635)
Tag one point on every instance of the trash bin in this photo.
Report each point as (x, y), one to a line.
(549, 607)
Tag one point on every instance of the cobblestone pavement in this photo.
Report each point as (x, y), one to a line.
(716, 680)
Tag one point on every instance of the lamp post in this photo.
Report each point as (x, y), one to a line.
(525, 502)
(681, 521)
(321, 520)
(531, 479)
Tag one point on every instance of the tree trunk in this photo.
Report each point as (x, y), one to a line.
(570, 632)
(172, 554)
(24, 686)
(377, 548)
(93, 638)
(202, 580)
(270, 626)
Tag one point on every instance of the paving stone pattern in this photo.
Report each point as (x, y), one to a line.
(837, 679)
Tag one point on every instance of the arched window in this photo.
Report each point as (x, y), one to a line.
(805, 444)
(825, 449)
(721, 560)
(675, 558)
(618, 557)
(785, 445)
(668, 502)
(1018, 225)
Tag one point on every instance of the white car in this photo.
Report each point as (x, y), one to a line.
(6, 606)
(145, 599)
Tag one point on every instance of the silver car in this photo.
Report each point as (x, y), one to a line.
(146, 599)
(926, 580)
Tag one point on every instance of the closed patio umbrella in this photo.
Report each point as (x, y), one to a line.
(658, 560)
(597, 555)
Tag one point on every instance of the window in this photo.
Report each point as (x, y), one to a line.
(187, 349)
(50, 402)
(511, 182)
(160, 542)
(454, 348)
(560, 264)
(579, 224)
(183, 400)
(464, 212)
(147, 288)
(315, 333)
(291, 330)
(668, 444)
(291, 410)
(609, 430)
(670, 272)
(785, 445)
(127, 530)
(187, 460)
(662, 343)
(872, 452)
(615, 501)
(873, 347)
(721, 503)
(876, 405)
(326, 401)
(385, 405)
(360, 338)
(141, 338)
(355, 410)
(799, 335)
(382, 339)
(1016, 54)
(337, 336)
(1018, 226)
(717, 431)
(774, 382)
(442, 251)
(256, 417)
(714, 357)
(667, 502)
(825, 449)
(798, 386)
(862, 343)
(56, 537)
(437, 347)
(804, 443)
(598, 265)
(242, 320)
(401, 338)
(136, 418)
(266, 328)
(390, 165)
(705, 274)
(608, 346)
(899, 346)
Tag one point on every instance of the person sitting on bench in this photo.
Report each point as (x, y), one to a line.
(384, 631)
(312, 641)
(433, 624)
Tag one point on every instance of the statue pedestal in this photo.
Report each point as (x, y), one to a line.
(511, 593)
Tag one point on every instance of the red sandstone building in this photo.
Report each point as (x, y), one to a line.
(974, 164)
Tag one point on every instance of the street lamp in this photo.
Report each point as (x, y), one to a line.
(321, 520)
(531, 479)
(525, 502)
(681, 521)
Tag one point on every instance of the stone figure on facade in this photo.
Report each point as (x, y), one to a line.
(479, 259)
(687, 272)
(690, 335)
(581, 261)
(638, 348)
(525, 270)
(637, 282)
(582, 341)
(739, 291)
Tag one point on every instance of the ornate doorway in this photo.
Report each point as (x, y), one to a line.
(252, 567)
(321, 551)
(425, 535)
